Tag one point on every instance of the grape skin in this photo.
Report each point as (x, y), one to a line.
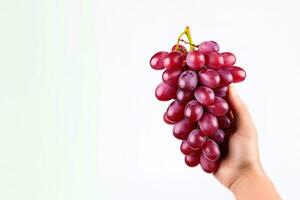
(157, 60)
(198, 80)
(208, 46)
(165, 92)
(211, 151)
(186, 149)
(229, 58)
(181, 49)
(184, 97)
(208, 124)
(219, 107)
(173, 60)
(175, 112)
(209, 78)
(204, 95)
(196, 139)
(182, 129)
(171, 76)
(193, 111)
(195, 60)
(207, 165)
(192, 160)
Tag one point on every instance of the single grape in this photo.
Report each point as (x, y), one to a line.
(208, 46)
(210, 149)
(175, 112)
(238, 74)
(181, 49)
(221, 92)
(184, 97)
(170, 76)
(196, 139)
(195, 60)
(157, 60)
(192, 160)
(229, 58)
(219, 107)
(193, 111)
(209, 78)
(182, 129)
(167, 120)
(186, 149)
(218, 136)
(188, 80)
(165, 92)
(173, 60)
(204, 95)
(214, 60)
(208, 124)
(225, 77)
(209, 166)
(224, 122)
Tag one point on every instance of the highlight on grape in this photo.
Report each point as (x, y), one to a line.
(197, 81)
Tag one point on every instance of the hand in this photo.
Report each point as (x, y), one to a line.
(241, 170)
(242, 156)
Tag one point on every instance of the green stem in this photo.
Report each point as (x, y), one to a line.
(189, 37)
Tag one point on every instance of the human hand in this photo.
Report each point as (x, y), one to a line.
(241, 170)
(242, 156)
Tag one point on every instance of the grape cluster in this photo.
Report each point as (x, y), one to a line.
(197, 81)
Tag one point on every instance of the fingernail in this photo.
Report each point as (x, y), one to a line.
(233, 91)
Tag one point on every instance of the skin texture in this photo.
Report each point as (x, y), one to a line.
(241, 170)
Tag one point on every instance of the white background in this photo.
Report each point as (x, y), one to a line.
(78, 116)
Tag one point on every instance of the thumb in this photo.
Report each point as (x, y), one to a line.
(240, 111)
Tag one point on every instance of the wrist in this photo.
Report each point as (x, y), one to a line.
(247, 178)
(254, 184)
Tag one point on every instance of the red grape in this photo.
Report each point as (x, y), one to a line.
(209, 78)
(170, 76)
(175, 112)
(210, 149)
(229, 58)
(225, 77)
(214, 60)
(204, 95)
(195, 60)
(221, 92)
(219, 107)
(224, 122)
(208, 165)
(188, 80)
(238, 74)
(193, 111)
(192, 160)
(180, 49)
(196, 139)
(208, 46)
(198, 81)
(182, 129)
(218, 136)
(167, 120)
(184, 97)
(186, 149)
(173, 60)
(165, 92)
(157, 60)
(208, 124)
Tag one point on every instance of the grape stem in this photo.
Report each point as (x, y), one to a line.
(189, 37)
(181, 40)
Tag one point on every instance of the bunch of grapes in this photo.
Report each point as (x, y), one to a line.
(197, 81)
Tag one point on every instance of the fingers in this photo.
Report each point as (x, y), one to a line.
(240, 111)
